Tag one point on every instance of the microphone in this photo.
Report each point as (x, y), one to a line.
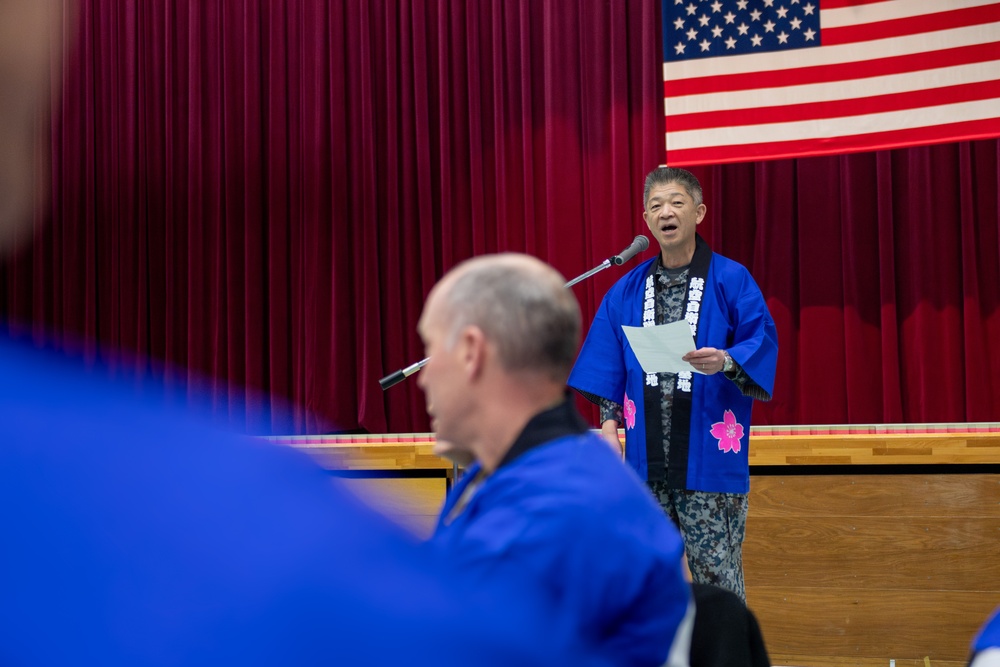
(400, 375)
(639, 243)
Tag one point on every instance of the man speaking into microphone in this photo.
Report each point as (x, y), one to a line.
(686, 432)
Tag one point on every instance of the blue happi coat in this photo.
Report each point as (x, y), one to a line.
(711, 417)
(569, 517)
(988, 636)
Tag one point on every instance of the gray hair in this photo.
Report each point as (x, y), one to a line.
(522, 306)
(664, 175)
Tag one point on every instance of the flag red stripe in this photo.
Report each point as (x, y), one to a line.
(835, 109)
(965, 131)
(910, 25)
(838, 4)
(914, 62)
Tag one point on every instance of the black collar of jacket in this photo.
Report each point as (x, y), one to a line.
(556, 422)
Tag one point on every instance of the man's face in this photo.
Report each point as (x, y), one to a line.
(672, 216)
(444, 380)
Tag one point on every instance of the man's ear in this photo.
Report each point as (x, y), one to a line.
(472, 345)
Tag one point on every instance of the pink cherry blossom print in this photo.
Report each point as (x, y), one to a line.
(728, 432)
(629, 413)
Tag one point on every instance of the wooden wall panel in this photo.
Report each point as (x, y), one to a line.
(872, 567)
(413, 503)
(825, 661)
(380, 456)
(874, 552)
(875, 495)
(800, 624)
(880, 448)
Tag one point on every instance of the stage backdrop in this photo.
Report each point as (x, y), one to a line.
(263, 193)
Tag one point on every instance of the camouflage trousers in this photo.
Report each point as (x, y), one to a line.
(713, 526)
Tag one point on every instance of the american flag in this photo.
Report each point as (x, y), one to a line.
(764, 79)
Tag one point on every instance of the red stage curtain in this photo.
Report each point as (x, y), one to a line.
(263, 193)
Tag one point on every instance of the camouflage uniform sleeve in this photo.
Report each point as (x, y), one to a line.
(743, 382)
(611, 410)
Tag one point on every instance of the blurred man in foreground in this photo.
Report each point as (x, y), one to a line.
(546, 501)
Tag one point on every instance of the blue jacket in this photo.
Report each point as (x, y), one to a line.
(135, 535)
(988, 636)
(570, 518)
(732, 315)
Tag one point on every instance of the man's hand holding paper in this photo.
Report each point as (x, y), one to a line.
(662, 348)
(669, 348)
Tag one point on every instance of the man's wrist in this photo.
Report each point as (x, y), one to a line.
(727, 363)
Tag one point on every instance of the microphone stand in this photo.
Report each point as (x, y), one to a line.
(403, 373)
(606, 264)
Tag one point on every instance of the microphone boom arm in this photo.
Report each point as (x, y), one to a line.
(597, 269)
(635, 247)
(400, 375)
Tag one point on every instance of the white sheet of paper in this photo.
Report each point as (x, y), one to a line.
(659, 349)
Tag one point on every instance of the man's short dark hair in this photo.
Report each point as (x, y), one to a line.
(664, 175)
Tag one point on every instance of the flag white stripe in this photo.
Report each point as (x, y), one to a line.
(888, 11)
(882, 122)
(836, 90)
(841, 53)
